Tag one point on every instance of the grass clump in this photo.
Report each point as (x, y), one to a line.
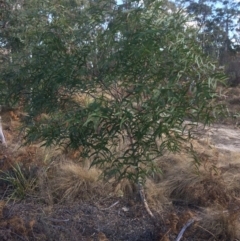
(20, 184)
(72, 181)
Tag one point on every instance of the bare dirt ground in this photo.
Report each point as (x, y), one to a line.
(222, 137)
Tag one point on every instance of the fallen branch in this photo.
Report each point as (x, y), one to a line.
(184, 229)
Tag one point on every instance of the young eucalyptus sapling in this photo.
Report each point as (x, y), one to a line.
(135, 69)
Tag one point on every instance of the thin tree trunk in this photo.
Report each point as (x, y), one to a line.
(2, 138)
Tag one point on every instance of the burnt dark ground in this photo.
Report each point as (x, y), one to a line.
(78, 221)
(109, 219)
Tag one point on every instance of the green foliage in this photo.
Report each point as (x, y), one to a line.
(141, 68)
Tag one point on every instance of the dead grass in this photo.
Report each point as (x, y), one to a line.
(124, 188)
(211, 190)
(214, 182)
(198, 189)
(219, 224)
(73, 181)
(155, 196)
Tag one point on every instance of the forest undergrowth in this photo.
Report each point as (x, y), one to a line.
(51, 194)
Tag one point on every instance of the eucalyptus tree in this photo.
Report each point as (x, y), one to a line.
(119, 84)
(218, 22)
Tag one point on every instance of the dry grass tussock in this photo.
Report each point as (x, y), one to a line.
(181, 173)
(197, 185)
(72, 181)
(155, 196)
(199, 189)
(180, 176)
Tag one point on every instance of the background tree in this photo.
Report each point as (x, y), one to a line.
(218, 22)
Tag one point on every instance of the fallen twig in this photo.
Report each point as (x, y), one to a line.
(58, 220)
(165, 235)
(184, 229)
(114, 204)
(206, 230)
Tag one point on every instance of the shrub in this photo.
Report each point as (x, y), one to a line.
(141, 69)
